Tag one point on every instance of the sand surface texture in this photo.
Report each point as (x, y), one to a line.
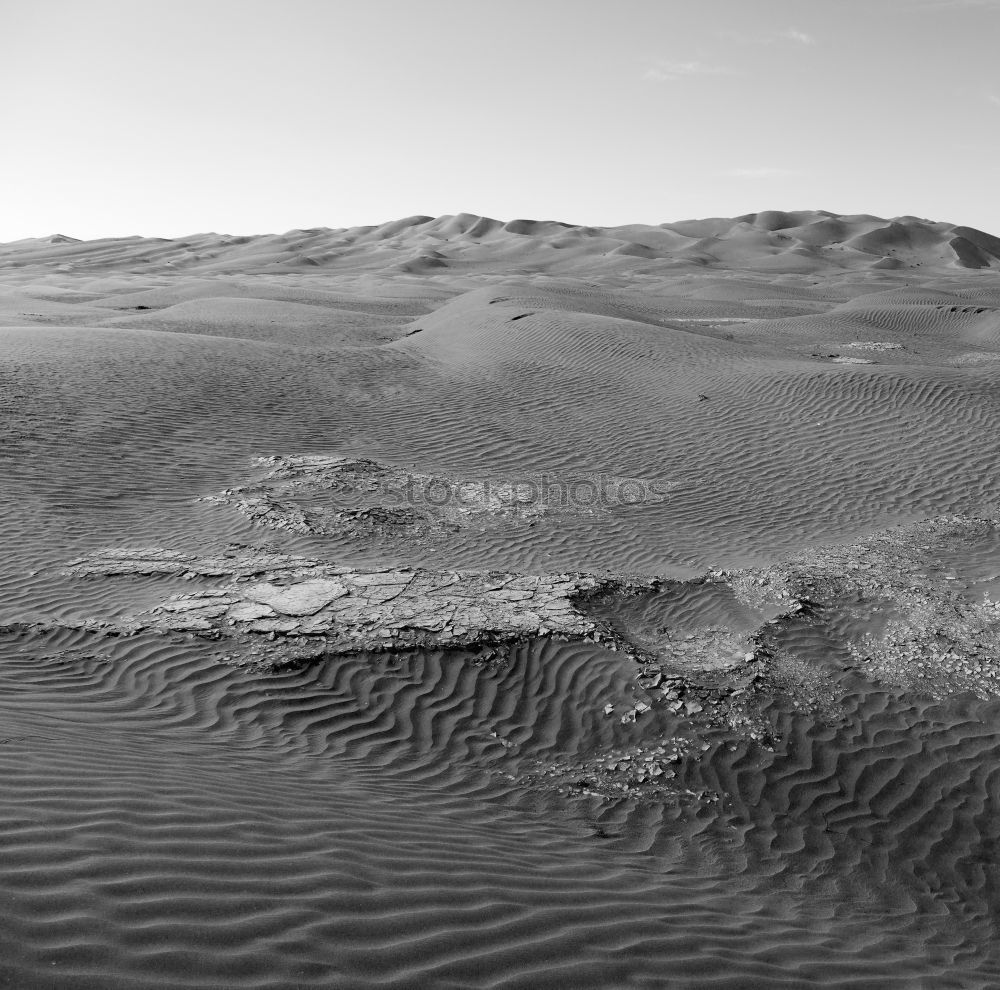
(459, 603)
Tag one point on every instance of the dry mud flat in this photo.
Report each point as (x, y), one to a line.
(403, 705)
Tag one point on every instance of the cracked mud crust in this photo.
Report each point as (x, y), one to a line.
(349, 609)
(915, 624)
(366, 499)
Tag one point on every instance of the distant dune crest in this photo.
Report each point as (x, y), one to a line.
(802, 242)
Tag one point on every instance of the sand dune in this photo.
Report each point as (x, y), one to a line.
(764, 241)
(416, 818)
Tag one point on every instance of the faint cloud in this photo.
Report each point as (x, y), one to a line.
(667, 71)
(759, 172)
(789, 35)
(800, 37)
(994, 99)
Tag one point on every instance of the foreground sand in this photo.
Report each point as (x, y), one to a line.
(797, 778)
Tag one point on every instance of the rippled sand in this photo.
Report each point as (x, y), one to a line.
(383, 819)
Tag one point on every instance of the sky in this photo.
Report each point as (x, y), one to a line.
(126, 117)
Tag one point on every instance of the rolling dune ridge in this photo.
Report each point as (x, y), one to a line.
(416, 818)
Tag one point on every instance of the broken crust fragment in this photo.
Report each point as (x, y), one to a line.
(401, 608)
(343, 609)
(364, 498)
(303, 598)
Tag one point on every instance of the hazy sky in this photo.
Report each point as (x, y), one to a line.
(243, 116)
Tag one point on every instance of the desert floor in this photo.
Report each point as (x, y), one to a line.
(740, 730)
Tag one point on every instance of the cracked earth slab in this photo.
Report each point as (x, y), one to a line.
(361, 497)
(915, 624)
(351, 609)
